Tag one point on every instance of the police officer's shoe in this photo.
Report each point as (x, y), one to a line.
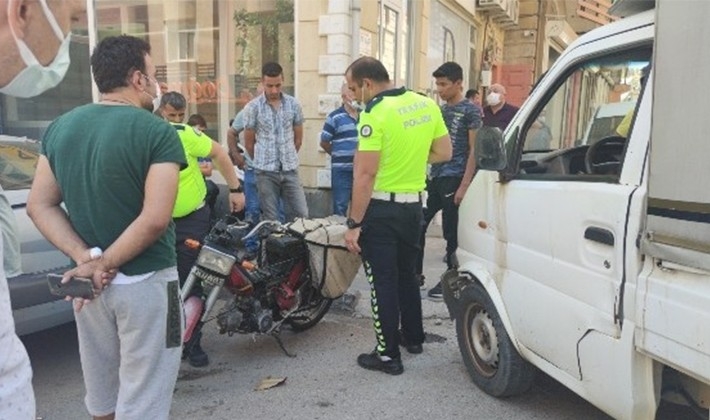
(197, 357)
(193, 352)
(373, 361)
(411, 348)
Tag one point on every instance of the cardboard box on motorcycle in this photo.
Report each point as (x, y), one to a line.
(592, 262)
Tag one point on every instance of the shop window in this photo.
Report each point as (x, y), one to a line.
(210, 51)
(579, 131)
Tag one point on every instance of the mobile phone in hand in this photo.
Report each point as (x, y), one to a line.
(75, 287)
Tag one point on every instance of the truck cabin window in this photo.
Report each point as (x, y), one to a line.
(581, 129)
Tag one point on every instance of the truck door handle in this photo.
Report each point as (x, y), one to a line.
(601, 235)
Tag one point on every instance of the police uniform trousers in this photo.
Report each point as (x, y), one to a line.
(195, 225)
(389, 241)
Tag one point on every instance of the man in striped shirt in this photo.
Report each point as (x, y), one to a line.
(339, 140)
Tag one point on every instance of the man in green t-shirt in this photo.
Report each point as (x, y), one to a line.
(399, 133)
(191, 214)
(34, 61)
(116, 168)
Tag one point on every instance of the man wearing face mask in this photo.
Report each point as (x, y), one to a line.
(399, 132)
(34, 56)
(339, 140)
(118, 181)
(497, 112)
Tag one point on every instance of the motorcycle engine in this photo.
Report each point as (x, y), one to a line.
(274, 287)
(287, 256)
(244, 316)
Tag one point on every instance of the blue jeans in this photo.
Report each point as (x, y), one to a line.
(252, 211)
(282, 186)
(341, 180)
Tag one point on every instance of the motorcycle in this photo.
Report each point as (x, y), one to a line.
(264, 293)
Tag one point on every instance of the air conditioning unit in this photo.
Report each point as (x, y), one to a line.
(493, 6)
(510, 18)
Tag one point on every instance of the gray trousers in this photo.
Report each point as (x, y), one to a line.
(130, 343)
(287, 186)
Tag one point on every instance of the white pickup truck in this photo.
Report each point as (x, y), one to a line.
(33, 307)
(591, 262)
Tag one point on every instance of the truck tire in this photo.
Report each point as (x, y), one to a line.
(492, 361)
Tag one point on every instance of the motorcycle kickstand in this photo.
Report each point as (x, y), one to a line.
(277, 336)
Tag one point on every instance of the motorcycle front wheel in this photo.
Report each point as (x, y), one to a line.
(312, 310)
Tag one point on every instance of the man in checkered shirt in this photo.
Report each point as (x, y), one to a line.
(273, 133)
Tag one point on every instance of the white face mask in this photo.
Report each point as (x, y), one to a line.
(357, 105)
(35, 78)
(156, 100)
(493, 99)
(360, 105)
(158, 94)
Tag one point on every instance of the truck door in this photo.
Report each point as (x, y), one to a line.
(566, 204)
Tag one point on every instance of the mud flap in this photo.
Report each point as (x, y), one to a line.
(450, 287)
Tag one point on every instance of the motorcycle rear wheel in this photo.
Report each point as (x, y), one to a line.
(312, 311)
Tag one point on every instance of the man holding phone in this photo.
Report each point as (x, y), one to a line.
(118, 183)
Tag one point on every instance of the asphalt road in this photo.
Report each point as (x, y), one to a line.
(323, 381)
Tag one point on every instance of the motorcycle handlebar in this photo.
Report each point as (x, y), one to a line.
(260, 225)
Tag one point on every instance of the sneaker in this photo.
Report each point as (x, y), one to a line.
(436, 292)
(411, 348)
(373, 361)
(197, 357)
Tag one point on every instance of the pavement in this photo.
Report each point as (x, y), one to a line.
(357, 301)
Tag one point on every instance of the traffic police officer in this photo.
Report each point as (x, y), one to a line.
(191, 215)
(399, 133)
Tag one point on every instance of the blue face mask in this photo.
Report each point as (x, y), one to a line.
(35, 78)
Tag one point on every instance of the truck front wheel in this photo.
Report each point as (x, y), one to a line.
(490, 357)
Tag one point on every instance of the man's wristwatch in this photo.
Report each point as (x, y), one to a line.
(352, 224)
(95, 253)
(236, 190)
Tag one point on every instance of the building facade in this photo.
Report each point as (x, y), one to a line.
(212, 51)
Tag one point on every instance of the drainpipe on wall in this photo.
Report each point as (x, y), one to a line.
(355, 9)
(541, 42)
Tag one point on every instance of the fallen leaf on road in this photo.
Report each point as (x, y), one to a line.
(268, 383)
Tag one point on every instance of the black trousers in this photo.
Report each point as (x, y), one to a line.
(441, 191)
(390, 244)
(195, 225)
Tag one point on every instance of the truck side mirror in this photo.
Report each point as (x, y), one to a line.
(490, 149)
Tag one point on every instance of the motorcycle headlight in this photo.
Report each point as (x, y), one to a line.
(215, 260)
